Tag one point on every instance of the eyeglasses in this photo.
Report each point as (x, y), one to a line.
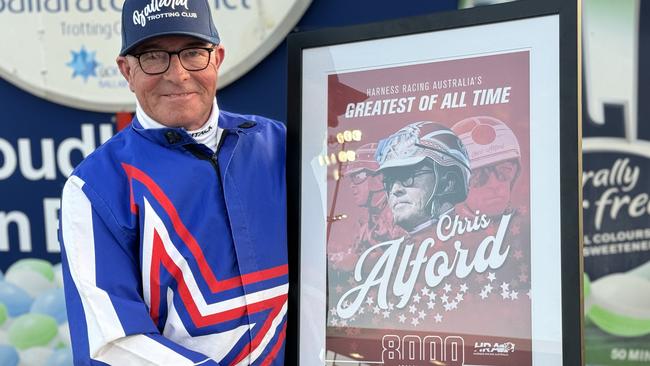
(504, 172)
(157, 61)
(406, 178)
(360, 177)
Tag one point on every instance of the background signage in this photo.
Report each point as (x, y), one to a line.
(64, 50)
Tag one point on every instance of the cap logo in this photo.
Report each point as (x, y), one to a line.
(150, 12)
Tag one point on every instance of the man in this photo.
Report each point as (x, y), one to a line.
(495, 160)
(173, 232)
(375, 225)
(426, 172)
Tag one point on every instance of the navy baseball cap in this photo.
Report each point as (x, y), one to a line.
(146, 19)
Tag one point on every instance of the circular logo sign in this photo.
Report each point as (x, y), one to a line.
(65, 50)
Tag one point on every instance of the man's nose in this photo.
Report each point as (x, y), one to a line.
(397, 189)
(176, 69)
(492, 178)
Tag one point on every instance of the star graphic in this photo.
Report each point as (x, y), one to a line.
(523, 277)
(516, 229)
(444, 298)
(483, 294)
(529, 294)
(447, 306)
(370, 301)
(333, 311)
(351, 281)
(438, 318)
(425, 291)
(454, 304)
(412, 309)
(505, 286)
(514, 295)
(361, 311)
(505, 294)
(415, 322)
(416, 298)
(391, 306)
(432, 295)
(402, 318)
(338, 289)
(459, 297)
(523, 268)
(376, 310)
(421, 314)
(386, 314)
(334, 322)
(447, 287)
(344, 323)
(488, 288)
(491, 276)
(463, 287)
(431, 304)
(518, 254)
(83, 64)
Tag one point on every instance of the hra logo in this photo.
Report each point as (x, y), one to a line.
(83, 64)
(493, 349)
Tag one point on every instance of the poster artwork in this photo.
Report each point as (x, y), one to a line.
(428, 228)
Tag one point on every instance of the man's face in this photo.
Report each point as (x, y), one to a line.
(409, 190)
(362, 183)
(177, 97)
(490, 185)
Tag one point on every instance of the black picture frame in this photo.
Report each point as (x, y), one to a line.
(568, 13)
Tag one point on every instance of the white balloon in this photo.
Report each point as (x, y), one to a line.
(35, 356)
(34, 283)
(64, 334)
(58, 275)
(4, 337)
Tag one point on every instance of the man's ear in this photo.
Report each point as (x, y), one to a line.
(126, 69)
(219, 54)
(449, 182)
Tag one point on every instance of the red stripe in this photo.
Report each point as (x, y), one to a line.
(276, 348)
(154, 277)
(277, 303)
(189, 240)
(190, 304)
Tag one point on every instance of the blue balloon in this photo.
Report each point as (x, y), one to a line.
(52, 303)
(8, 356)
(16, 299)
(60, 357)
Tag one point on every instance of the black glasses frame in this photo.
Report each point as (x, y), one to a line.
(481, 175)
(405, 180)
(169, 60)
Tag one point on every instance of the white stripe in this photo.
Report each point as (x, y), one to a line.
(78, 237)
(141, 350)
(106, 338)
(267, 337)
(153, 222)
(147, 252)
(175, 330)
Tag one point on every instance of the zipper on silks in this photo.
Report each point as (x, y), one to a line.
(214, 161)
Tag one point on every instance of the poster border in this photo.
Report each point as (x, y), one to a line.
(570, 141)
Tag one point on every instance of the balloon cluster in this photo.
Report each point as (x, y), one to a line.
(33, 321)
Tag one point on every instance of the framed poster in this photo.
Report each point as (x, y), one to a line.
(434, 190)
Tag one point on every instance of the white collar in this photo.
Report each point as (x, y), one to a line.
(208, 134)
